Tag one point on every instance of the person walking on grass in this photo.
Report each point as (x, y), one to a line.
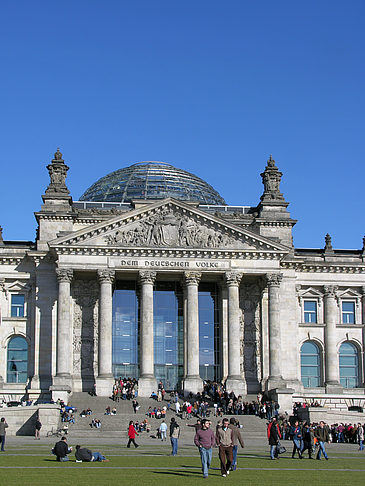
(132, 435)
(225, 443)
(274, 435)
(3, 426)
(204, 439)
(322, 436)
(174, 436)
(237, 439)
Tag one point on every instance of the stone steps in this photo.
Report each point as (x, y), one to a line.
(117, 425)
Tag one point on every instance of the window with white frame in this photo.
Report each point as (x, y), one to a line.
(348, 312)
(310, 311)
(17, 305)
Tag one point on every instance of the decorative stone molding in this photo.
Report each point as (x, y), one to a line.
(57, 173)
(107, 276)
(330, 291)
(64, 274)
(233, 278)
(192, 278)
(274, 279)
(271, 178)
(147, 277)
(324, 267)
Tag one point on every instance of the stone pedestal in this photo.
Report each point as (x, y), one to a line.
(284, 397)
(192, 384)
(237, 385)
(60, 390)
(104, 386)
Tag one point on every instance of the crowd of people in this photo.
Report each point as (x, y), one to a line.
(125, 389)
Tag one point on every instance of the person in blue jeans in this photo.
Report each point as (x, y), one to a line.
(322, 435)
(174, 436)
(360, 436)
(83, 454)
(205, 439)
(297, 438)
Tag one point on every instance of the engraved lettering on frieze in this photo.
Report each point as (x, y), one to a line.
(170, 228)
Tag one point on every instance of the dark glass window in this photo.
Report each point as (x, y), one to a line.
(209, 342)
(168, 333)
(125, 330)
(349, 365)
(310, 364)
(310, 311)
(17, 305)
(348, 312)
(17, 363)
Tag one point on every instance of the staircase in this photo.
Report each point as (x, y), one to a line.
(116, 426)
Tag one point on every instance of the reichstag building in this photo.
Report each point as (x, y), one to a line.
(151, 274)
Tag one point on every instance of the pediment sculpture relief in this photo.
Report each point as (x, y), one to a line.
(170, 228)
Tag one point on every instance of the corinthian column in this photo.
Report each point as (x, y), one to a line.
(192, 381)
(104, 381)
(235, 381)
(64, 328)
(275, 379)
(331, 318)
(147, 381)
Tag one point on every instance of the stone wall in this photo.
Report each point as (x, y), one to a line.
(21, 420)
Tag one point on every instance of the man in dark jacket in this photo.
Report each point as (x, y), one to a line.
(61, 449)
(322, 435)
(3, 426)
(83, 454)
(273, 434)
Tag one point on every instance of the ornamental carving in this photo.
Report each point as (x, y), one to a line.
(233, 278)
(330, 291)
(250, 320)
(271, 178)
(85, 295)
(64, 274)
(192, 278)
(274, 279)
(57, 173)
(147, 277)
(106, 276)
(167, 227)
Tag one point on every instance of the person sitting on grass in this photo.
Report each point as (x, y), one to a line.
(83, 454)
(61, 449)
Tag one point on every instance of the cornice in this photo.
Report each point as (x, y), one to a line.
(323, 267)
(169, 252)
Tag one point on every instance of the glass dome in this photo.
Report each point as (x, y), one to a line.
(152, 180)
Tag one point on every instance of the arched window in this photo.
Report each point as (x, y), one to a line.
(17, 365)
(349, 365)
(310, 365)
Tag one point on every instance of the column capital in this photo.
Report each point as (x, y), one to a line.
(233, 279)
(147, 277)
(192, 278)
(106, 275)
(274, 279)
(64, 274)
(363, 291)
(330, 291)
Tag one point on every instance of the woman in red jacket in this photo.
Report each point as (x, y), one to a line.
(132, 434)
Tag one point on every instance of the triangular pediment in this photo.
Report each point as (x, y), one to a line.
(169, 224)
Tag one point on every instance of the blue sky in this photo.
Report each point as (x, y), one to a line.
(211, 87)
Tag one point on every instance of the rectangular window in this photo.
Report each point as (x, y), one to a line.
(17, 305)
(348, 312)
(310, 311)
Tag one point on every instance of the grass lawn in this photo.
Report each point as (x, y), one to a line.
(34, 465)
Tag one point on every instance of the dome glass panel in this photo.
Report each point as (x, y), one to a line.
(152, 180)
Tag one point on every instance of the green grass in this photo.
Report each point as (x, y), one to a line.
(34, 465)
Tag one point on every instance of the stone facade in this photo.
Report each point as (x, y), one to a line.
(68, 276)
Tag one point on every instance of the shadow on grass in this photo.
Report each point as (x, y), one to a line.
(178, 473)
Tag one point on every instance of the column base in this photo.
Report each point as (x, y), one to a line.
(147, 385)
(104, 385)
(192, 384)
(61, 388)
(237, 385)
(284, 397)
(275, 382)
(334, 387)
